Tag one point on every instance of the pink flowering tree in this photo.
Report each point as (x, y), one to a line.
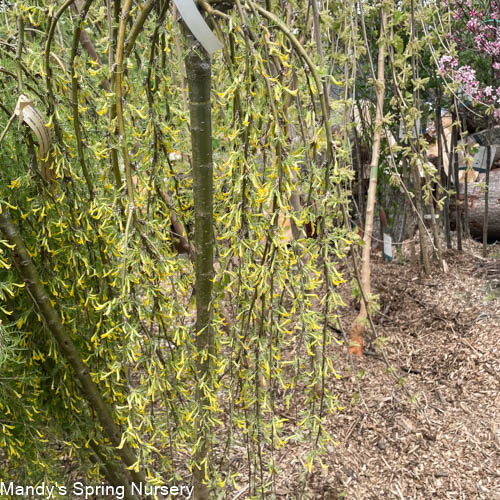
(477, 37)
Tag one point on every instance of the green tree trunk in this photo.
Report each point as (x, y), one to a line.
(198, 69)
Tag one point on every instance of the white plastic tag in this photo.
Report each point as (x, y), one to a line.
(387, 246)
(197, 25)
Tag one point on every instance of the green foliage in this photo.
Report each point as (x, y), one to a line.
(124, 293)
(98, 214)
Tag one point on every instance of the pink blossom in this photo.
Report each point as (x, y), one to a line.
(478, 29)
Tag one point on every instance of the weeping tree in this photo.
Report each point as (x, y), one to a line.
(128, 359)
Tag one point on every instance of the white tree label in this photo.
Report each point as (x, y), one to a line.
(197, 25)
(387, 246)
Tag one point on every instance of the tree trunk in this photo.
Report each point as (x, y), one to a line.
(358, 327)
(486, 202)
(422, 229)
(198, 68)
(487, 183)
(454, 165)
(440, 166)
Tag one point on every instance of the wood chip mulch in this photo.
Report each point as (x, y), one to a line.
(427, 424)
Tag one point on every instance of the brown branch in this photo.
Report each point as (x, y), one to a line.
(180, 232)
(138, 24)
(87, 44)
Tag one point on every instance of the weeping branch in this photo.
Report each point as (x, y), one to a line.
(41, 300)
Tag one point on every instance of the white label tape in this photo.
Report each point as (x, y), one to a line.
(197, 25)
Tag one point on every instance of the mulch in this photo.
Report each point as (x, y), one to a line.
(421, 415)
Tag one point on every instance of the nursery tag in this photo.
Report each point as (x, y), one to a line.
(387, 246)
(197, 25)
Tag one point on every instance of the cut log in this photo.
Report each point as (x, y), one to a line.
(476, 206)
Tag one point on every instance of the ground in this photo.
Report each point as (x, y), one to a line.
(421, 420)
(420, 416)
